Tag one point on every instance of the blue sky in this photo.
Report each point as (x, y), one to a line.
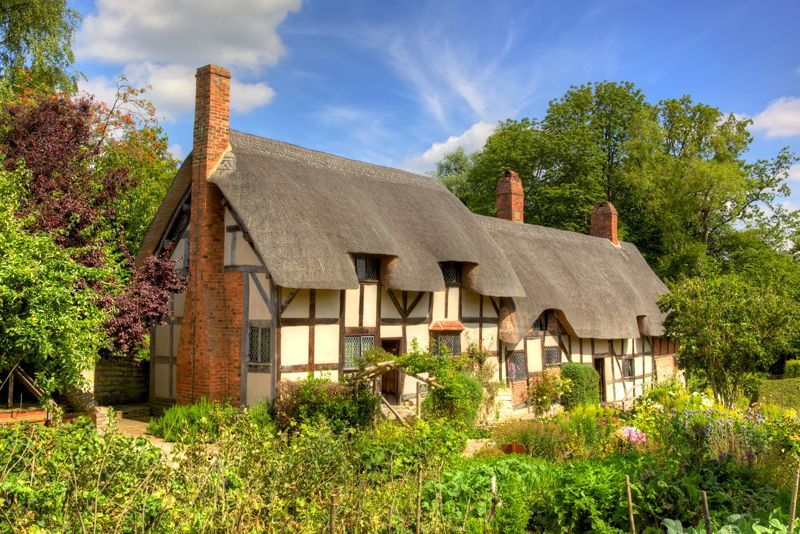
(402, 82)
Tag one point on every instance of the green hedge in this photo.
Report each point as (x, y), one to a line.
(307, 401)
(585, 385)
(792, 369)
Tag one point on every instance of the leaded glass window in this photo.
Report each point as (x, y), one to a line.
(552, 356)
(259, 345)
(517, 366)
(367, 269)
(354, 347)
(627, 368)
(450, 340)
(451, 271)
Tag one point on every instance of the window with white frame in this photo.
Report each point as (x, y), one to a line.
(354, 347)
(259, 344)
(451, 340)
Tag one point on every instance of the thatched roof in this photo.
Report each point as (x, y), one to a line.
(603, 291)
(307, 212)
(175, 194)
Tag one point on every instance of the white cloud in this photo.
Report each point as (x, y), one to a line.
(781, 118)
(471, 140)
(160, 43)
(794, 173)
(177, 151)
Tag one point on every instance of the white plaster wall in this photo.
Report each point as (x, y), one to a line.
(391, 330)
(488, 308)
(351, 298)
(438, 311)
(370, 304)
(294, 345)
(452, 302)
(421, 309)
(420, 332)
(470, 304)
(326, 343)
(162, 341)
(327, 304)
(258, 388)
(388, 309)
(534, 355)
(298, 308)
(161, 388)
(257, 308)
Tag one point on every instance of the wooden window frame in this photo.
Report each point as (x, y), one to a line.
(434, 341)
(259, 365)
(456, 266)
(546, 365)
(376, 261)
(361, 349)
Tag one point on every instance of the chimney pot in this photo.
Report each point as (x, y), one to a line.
(604, 222)
(510, 197)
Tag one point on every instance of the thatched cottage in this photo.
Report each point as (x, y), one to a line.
(299, 260)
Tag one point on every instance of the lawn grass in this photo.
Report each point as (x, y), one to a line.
(783, 392)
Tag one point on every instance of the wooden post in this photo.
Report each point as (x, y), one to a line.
(793, 504)
(332, 523)
(630, 504)
(706, 513)
(419, 407)
(376, 393)
(419, 498)
(11, 389)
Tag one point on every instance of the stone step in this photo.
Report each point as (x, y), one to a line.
(137, 412)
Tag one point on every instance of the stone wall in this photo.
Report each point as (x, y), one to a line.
(120, 382)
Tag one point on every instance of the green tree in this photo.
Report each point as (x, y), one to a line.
(453, 170)
(36, 46)
(50, 320)
(727, 329)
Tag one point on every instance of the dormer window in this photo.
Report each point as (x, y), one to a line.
(367, 268)
(451, 271)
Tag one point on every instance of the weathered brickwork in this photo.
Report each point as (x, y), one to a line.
(510, 198)
(120, 382)
(209, 350)
(604, 222)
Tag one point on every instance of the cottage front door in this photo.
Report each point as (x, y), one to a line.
(390, 380)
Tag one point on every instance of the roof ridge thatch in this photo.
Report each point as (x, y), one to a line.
(244, 142)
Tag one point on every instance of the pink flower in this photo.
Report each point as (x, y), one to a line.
(632, 435)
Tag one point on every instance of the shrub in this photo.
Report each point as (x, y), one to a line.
(545, 390)
(458, 399)
(314, 399)
(193, 423)
(792, 369)
(541, 439)
(584, 387)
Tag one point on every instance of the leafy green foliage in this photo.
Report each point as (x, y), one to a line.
(315, 399)
(202, 421)
(546, 390)
(782, 392)
(584, 385)
(37, 43)
(726, 329)
(792, 369)
(458, 399)
(50, 321)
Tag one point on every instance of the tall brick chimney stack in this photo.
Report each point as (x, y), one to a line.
(209, 355)
(604, 222)
(510, 198)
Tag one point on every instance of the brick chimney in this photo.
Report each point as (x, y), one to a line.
(604, 222)
(209, 350)
(510, 198)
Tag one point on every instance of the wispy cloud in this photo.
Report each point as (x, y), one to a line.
(160, 43)
(471, 140)
(781, 118)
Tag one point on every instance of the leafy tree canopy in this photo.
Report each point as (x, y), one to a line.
(36, 45)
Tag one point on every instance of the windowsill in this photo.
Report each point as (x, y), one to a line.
(256, 367)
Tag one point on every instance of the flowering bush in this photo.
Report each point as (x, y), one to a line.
(631, 437)
(546, 390)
